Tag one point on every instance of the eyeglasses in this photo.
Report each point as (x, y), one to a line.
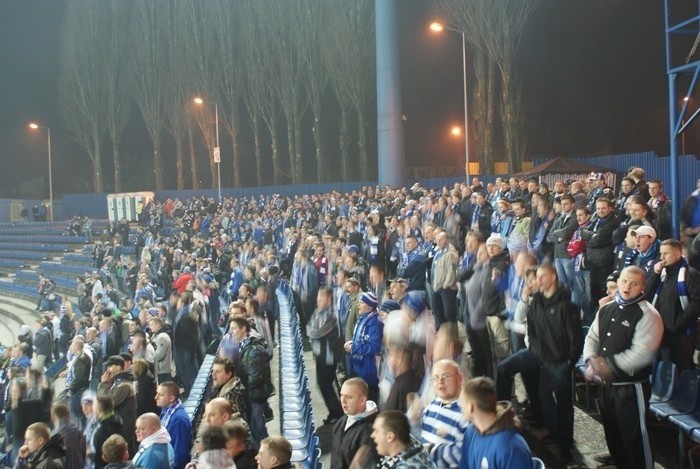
(442, 378)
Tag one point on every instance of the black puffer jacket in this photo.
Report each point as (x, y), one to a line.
(554, 327)
(599, 245)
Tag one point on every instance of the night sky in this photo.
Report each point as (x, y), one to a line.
(593, 72)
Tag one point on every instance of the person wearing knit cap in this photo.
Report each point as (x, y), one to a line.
(387, 307)
(366, 344)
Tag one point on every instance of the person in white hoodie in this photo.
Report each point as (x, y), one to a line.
(352, 439)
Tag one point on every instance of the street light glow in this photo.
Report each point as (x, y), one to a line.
(456, 130)
(32, 125)
(198, 100)
(686, 99)
(437, 27)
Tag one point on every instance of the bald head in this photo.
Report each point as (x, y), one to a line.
(146, 425)
(218, 411)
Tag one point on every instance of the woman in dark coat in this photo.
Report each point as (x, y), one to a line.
(186, 342)
(145, 388)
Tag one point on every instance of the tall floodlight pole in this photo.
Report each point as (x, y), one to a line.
(35, 126)
(390, 144)
(438, 27)
(217, 148)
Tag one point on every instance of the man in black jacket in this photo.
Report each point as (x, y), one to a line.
(352, 433)
(619, 350)
(600, 259)
(676, 287)
(556, 338)
(562, 230)
(78, 378)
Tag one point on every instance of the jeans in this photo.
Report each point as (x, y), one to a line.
(76, 410)
(258, 428)
(566, 276)
(583, 293)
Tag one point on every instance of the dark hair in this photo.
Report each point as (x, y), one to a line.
(229, 366)
(568, 197)
(214, 437)
(236, 430)
(106, 403)
(241, 322)
(396, 422)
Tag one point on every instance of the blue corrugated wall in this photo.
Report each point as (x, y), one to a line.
(95, 205)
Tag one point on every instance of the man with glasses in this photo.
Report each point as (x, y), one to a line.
(442, 424)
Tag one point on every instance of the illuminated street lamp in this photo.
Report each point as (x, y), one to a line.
(217, 149)
(456, 131)
(439, 27)
(34, 126)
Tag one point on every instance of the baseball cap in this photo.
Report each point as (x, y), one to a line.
(645, 230)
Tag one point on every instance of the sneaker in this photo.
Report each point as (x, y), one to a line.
(604, 459)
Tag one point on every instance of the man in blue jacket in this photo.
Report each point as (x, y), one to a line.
(493, 439)
(175, 420)
(155, 451)
(366, 344)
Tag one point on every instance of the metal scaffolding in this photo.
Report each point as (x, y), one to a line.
(682, 64)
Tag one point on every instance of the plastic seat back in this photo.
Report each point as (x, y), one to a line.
(684, 400)
(664, 381)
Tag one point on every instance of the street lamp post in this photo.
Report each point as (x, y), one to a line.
(217, 148)
(438, 27)
(35, 126)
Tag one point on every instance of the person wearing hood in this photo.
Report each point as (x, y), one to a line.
(556, 340)
(366, 344)
(119, 385)
(352, 440)
(619, 351)
(155, 451)
(391, 432)
(41, 450)
(115, 452)
(493, 438)
(253, 367)
(323, 332)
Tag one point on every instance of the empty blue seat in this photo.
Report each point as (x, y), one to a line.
(684, 399)
(663, 383)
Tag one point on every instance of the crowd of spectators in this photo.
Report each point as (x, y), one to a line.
(433, 316)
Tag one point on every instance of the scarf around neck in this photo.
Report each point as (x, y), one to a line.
(680, 284)
(158, 438)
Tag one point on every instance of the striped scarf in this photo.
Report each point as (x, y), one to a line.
(168, 413)
(680, 284)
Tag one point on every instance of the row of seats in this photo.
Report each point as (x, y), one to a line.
(11, 263)
(675, 398)
(29, 246)
(29, 255)
(32, 278)
(79, 258)
(64, 268)
(297, 417)
(39, 238)
(197, 397)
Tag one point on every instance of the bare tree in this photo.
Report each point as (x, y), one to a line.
(259, 92)
(150, 59)
(279, 26)
(200, 14)
(484, 108)
(80, 83)
(229, 75)
(177, 96)
(118, 79)
(315, 72)
(495, 27)
(350, 61)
